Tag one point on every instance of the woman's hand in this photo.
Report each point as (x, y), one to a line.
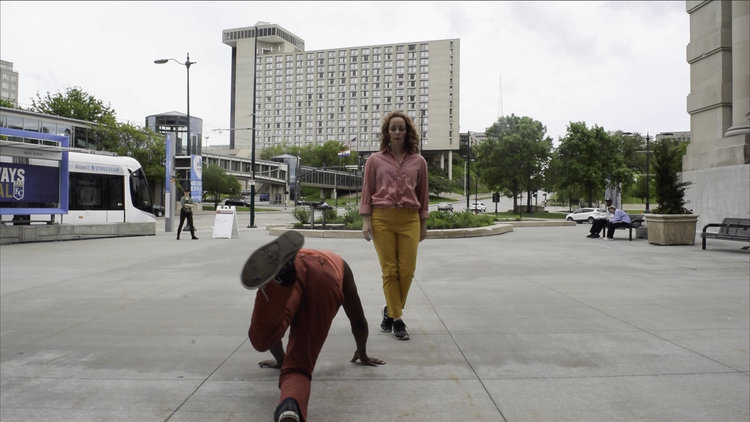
(366, 228)
(422, 230)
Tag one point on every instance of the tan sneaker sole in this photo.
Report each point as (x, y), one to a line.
(266, 261)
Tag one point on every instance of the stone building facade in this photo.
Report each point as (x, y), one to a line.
(717, 162)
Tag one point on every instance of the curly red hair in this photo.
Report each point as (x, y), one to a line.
(411, 141)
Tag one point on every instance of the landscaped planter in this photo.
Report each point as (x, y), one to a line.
(671, 229)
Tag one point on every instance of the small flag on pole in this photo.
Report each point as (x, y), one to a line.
(344, 153)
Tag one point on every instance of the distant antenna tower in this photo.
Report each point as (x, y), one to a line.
(500, 112)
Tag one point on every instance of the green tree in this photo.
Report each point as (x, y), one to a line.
(7, 103)
(123, 139)
(555, 181)
(638, 190)
(325, 155)
(589, 160)
(670, 191)
(143, 144)
(281, 149)
(438, 183)
(75, 104)
(312, 155)
(633, 149)
(514, 156)
(217, 182)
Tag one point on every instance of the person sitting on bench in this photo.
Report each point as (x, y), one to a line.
(600, 223)
(619, 219)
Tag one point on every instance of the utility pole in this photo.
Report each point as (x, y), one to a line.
(468, 170)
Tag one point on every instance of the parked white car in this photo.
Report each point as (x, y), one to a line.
(586, 214)
(478, 207)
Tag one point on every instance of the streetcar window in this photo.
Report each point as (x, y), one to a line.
(97, 192)
(139, 191)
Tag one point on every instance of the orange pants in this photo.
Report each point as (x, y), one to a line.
(307, 308)
(395, 234)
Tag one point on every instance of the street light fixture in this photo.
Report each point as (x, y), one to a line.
(169, 221)
(187, 66)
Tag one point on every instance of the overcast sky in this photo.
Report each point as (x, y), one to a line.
(620, 65)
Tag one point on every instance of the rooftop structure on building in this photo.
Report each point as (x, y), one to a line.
(311, 97)
(683, 136)
(8, 82)
(175, 122)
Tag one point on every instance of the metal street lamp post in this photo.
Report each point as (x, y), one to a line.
(648, 167)
(336, 184)
(187, 66)
(172, 201)
(468, 170)
(476, 192)
(648, 173)
(357, 191)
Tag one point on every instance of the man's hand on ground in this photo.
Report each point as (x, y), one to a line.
(270, 363)
(367, 360)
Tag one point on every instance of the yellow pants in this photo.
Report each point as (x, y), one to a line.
(395, 234)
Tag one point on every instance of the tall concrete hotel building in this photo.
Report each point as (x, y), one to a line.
(311, 97)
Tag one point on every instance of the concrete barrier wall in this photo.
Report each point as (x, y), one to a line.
(54, 232)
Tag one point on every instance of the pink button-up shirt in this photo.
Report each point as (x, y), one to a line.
(390, 184)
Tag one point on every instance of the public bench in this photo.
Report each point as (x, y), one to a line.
(635, 222)
(729, 229)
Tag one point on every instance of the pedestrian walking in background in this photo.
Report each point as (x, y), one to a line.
(186, 212)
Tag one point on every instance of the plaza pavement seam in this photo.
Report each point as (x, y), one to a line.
(463, 355)
(204, 381)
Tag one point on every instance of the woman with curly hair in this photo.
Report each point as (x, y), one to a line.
(394, 212)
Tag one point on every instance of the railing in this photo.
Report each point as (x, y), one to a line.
(275, 172)
(329, 178)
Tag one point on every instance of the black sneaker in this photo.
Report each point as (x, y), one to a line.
(266, 261)
(387, 324)
(399, 330)
(287, 411)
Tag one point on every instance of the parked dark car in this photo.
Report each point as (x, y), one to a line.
(237, 202)
(158, 210)
(444, 206)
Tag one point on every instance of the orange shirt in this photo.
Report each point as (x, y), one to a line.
(390, 184)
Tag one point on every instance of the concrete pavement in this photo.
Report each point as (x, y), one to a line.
(537, 324)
